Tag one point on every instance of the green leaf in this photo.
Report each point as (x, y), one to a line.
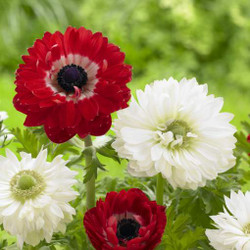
(191, 237)
(179, 235)
(3, 244)
(30, 142)
(33, 140)
(75, 160)
(246, 126)
(109, 151)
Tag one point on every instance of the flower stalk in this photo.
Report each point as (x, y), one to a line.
(90, 185)
(159, 189)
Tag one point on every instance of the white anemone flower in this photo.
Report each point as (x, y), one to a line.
(176, 129)
(233, 225)
(5, 131)
(35, 196)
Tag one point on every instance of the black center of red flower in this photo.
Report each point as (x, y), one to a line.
(127, 229)
(72, 76)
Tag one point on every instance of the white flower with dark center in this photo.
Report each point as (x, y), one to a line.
(233, 225)
(176, 129)
(35, 196)
(5, 133)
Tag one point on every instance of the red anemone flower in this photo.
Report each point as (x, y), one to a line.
(71, 84)
(125, 220)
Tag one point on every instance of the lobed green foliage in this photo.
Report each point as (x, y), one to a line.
(188, 211)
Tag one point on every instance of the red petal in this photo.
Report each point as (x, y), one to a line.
(56, 53)
(29, 100)
(94, 116)
(106, 106)
(142, 231)
(31, 75)
(106, 89)
(102, 218)
(120, 74)
(95, 45)
(58, 40)
(119, 248)
(100, 125)
(112, 222)
(70, 38)
(43, 92)
(136, 242)
(83, 129)
(29, 59)
(52, 120)
(111, 235)
(248, 138)
(54, 100)
(46, 38)
(47, 103)
(36, 119)
(53, 128)
(18, 105)
(88, 108)
(84, 40)
(59, 135)
(34, 84)
(100, 56)
(116, 58)
(40, 49)
(68, 116)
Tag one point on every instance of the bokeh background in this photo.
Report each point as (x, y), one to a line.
(206, 39)
(209, 40)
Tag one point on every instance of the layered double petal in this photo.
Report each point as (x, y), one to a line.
(125, 220)
(70, 83)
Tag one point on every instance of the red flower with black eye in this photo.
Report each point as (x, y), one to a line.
(125, 220)
(71, 84)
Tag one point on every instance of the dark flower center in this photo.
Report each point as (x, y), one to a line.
(72, 76)
(127, 229)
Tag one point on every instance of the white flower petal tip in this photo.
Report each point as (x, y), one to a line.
(6, 136)
(101, 141)
(177, 129)
(35, 196)
(3, 115)
(233, 225)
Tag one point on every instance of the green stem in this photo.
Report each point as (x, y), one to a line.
(159, 189)
(90, 185)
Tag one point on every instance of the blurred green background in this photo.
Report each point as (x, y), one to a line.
(206, 39)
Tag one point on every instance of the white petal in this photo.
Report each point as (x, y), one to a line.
(143, 136)
(36, 219)
(136, 136)
(156, 152)
(11, 209)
